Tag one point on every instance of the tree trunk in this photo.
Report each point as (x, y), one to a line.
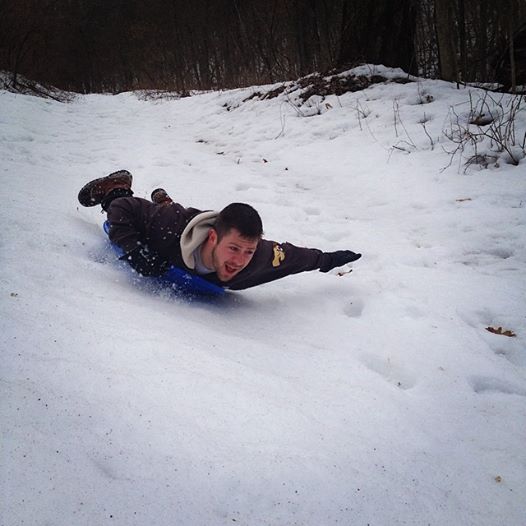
(380, 32)
(513, 73)
(463, 74)
(444, 21)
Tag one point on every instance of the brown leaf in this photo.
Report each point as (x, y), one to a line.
(482, 119)
(501, 332)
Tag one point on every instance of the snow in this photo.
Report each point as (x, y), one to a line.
(377, 397)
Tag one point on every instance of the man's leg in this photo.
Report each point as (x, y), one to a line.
(105, 189)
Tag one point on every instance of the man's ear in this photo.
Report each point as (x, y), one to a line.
(212, 236)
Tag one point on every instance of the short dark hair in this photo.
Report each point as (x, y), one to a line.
(244, 218)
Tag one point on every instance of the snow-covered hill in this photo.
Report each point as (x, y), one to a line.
(377, 397)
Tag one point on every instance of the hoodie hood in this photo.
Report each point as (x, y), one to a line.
(195, 234)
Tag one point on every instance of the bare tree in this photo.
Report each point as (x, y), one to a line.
(446, 38)
(114, 45)
(379, 32)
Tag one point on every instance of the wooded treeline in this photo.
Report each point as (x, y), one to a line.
(116, 45)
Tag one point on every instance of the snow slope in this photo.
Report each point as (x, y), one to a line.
(377, 397)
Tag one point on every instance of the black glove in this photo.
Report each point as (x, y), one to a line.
(330, 260)
(146, 261)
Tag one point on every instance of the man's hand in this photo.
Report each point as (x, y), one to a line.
(330, 260)
(145, 261)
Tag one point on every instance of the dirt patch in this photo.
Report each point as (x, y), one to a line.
(334, 82)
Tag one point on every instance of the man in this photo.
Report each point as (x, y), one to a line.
(225, 248)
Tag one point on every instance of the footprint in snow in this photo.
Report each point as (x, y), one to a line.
(391, 372)
(514, 354)
(354, 308)
(241, 187)
(335, 235)
(488, 385)
(485, 256)
(311, 211)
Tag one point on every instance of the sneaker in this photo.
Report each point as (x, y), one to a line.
(160, 197)
(93, 193)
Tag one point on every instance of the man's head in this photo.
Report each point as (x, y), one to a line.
(243, 218)
(233, 240)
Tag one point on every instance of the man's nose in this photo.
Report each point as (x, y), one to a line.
(241, 259)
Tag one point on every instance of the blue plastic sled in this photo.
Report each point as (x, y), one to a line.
(180, 279)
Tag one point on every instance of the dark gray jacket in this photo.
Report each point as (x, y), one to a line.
(165, 229)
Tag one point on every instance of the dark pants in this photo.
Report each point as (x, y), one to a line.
(110, 196)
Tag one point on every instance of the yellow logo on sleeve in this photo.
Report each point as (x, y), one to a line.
(279, 255)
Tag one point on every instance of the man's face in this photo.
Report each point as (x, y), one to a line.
(232, 253)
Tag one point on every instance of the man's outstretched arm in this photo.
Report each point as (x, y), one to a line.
(276, 260)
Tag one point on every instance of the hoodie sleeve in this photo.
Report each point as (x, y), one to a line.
(273, 261)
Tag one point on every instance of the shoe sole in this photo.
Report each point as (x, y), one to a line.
(88, 195)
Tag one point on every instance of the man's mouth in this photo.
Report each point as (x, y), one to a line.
(231, 270)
